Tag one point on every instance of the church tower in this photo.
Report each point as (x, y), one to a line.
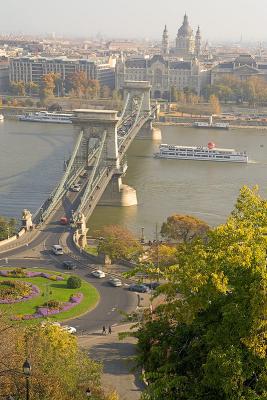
(165, 42)
(185, 41)
(198, 43)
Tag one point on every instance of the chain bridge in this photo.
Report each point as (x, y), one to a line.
(99, 154)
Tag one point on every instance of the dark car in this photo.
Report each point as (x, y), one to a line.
(139, 288)
(69, 265)
(152, 285)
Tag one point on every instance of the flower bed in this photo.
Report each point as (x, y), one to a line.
(20, 273)
(44, 311)
(17, 292)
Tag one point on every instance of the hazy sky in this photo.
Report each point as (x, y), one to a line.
(218, 19)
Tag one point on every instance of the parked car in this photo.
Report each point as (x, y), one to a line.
(69, 329)
(115, 282)
(139, 288)
(98, 274)
(152, 285)
(69, 265)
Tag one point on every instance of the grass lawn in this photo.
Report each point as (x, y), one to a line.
(59, 291)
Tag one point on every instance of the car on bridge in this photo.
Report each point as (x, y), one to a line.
(98, 274)
(76, 187)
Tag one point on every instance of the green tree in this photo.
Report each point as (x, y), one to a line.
(162, 254)
(74, 282)
(60, 370)
(209, 339)
(119, 243)
(183, 228)
(173, 94)
(7, 227)
(32, 88)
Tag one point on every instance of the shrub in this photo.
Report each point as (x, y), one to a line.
(74, 282)
(53, 304)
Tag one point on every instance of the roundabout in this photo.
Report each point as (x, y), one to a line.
(32, 295)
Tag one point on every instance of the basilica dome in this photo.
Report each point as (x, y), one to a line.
(185, 29)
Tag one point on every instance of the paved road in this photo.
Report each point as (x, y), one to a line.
(37, 253)
(116, 357)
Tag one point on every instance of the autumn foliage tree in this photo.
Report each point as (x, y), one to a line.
(119, 243)
(60, 371)
(183, 228)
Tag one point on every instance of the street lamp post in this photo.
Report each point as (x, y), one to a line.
(142, 235)
(27, 372)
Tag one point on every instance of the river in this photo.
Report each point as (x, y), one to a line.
(32, 157)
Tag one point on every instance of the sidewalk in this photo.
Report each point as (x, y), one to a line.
(115, 355)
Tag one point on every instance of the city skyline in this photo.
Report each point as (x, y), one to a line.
(144, 20)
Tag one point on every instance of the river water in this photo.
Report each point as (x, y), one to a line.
(32, 157)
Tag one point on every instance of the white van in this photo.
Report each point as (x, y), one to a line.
(57, 250)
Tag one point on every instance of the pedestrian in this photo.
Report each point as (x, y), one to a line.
(109, 330)
(104, 330)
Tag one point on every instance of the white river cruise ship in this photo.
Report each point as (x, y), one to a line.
(45, 116)
(201, 153)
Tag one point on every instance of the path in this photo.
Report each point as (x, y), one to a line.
(115, 355)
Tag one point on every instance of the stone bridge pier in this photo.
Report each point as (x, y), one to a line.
(94, 123)
(135, 92)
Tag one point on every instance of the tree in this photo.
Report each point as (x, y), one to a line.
(209, 342)
(48, 86)
(60, 371)
(32, 88)
(7, 227)
(119, 243)
(183, 228)
(162, 254)
(173, 94)
(215, 104)
(18, 88)
(74, 282)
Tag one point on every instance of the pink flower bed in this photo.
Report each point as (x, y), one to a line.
(43, 312)
(35, 292)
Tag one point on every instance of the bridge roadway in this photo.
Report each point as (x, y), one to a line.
(34, 250)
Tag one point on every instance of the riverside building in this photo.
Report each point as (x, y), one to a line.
(32, 69)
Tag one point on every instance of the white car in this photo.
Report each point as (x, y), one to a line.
(69, 329)
(115, 282)
(98, 274)
(76, 187)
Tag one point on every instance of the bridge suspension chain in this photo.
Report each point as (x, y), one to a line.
(61, 187)
(139, 109)
(89, 185)
(124, 109)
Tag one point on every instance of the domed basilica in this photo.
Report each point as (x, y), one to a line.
(187, 44)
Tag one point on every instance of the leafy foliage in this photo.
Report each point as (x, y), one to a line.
(60, 371)
(183, 228)
(74, 282)
(119, 243)
(7, 227)
(209, 338)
